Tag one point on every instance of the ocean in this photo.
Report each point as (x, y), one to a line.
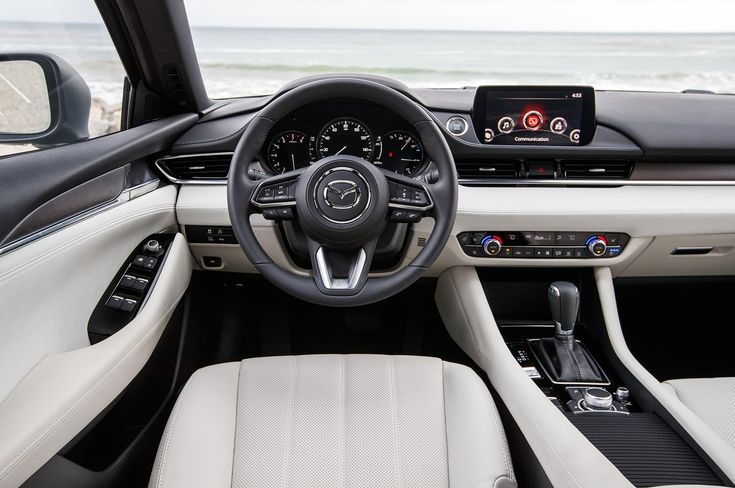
(247, 61)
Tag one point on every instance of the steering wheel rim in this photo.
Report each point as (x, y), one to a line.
(243, 195)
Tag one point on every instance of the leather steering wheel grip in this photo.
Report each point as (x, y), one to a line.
(241, 188)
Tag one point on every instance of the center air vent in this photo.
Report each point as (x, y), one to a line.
(196, 167)
(593, 170)
(487, 170)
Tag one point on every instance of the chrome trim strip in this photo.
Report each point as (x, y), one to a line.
(526, 182)
(331, 283)
(173, 179)
(125, 196)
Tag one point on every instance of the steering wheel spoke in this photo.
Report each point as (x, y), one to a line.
(338, 271)
(409, 201)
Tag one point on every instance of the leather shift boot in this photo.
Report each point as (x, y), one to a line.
(566, 361)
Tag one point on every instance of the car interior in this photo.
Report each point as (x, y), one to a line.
(350, 282)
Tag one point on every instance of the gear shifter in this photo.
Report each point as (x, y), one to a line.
(564, 304)
(562, 357)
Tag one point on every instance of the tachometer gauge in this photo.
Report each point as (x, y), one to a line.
(288, 151)
(401, 152)
(345, 136)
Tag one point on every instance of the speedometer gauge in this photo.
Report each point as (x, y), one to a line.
(345, 136)
(401, 152)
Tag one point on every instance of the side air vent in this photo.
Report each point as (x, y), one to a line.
(592, 170)
(202, 168)
(488, 170)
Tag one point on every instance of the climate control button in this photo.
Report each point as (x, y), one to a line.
(596, 246)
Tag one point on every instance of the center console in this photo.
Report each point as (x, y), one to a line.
(561, 365)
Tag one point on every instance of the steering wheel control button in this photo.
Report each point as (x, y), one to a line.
(596, 246)
(533, 120)
(506, 125)
(558, 125)
(543, 244)
(406, 216)
(457, 125)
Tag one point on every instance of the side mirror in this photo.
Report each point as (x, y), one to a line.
(43, 100)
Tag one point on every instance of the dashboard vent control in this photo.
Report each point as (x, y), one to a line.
(201, 167)
(591, 170)
(488, 169)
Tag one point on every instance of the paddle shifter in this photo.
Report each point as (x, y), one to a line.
(562, 357)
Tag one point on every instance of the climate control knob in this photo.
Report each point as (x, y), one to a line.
(596, 246)
(492, 245)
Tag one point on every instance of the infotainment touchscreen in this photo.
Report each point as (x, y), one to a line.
(535, 115)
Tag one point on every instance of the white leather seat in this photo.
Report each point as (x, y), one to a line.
(710, 399)
(334, 421)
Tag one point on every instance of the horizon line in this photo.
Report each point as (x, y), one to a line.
(494, 31)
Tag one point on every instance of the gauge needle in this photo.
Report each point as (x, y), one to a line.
(340, 151)
(293, 162)
(406, 144)
(410, 160)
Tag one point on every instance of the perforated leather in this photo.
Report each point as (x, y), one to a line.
(335, 421)
(712, 400)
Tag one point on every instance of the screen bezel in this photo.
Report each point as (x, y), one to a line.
(588, 124)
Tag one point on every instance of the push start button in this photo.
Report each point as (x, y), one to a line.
(533, 120)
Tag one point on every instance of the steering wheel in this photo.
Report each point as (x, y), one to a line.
(342, 202)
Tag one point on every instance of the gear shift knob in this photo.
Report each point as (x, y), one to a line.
(564, 304)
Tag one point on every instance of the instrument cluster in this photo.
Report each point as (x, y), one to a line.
(344, 127)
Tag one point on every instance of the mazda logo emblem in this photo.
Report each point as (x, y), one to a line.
(341, 194)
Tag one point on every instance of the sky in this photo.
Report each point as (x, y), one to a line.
(483, 15)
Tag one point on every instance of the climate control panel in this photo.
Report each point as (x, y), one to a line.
(542, 244)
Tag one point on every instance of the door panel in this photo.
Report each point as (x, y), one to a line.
(52, 382)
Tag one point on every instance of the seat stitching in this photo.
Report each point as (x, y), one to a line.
(446, 429)
(170, 434)
(394, 419)
(496, 422)
(285, 469)
(342, 414)
(237, 418)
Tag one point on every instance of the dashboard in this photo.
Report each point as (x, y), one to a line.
(347, 127)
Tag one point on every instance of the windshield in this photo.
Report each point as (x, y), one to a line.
(248, 48)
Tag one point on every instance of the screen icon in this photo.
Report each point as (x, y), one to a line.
(558, 125)
(533, 120)
(489, 135)
(574, 135)
(506, 125)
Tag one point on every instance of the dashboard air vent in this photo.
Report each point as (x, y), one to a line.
(488, 170)
(593, 170)
(197, 167)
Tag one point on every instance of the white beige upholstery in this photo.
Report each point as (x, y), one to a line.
(52, 382)
(718, 450)
(710, 399)
(334, 421)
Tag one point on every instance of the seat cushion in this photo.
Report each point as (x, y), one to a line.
(334, 421)
(712, 400)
